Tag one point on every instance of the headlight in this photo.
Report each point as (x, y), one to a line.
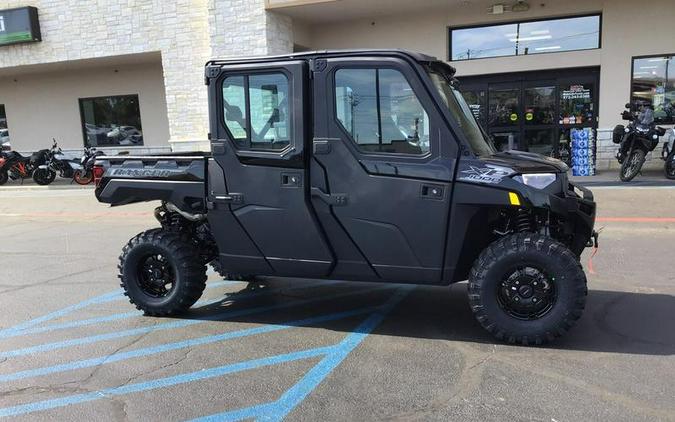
(536, 180)
(655, 136)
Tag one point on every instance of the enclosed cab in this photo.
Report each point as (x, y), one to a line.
(357, 165)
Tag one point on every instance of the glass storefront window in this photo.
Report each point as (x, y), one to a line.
(4, 132)
(525, 38)
(504, 107)
(654, 83)
(576, 104)
(476, 101)
(111, 121)
(540, 105)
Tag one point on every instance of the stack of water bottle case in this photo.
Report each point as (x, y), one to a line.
(583, 151)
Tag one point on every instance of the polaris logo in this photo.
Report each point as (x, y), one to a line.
(144, 173)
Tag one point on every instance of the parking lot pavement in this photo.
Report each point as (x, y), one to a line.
(71, 347)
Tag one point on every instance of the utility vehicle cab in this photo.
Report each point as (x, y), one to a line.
(359, 165)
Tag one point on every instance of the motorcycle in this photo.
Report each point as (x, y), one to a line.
(15, 166)
(638, 138)
(85, 174)
(56, 163)
(668, 155)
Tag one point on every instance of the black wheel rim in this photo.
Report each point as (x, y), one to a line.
(526, 293)
(156, 277)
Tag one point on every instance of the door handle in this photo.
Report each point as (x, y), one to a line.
(432, 191)
(337, 199)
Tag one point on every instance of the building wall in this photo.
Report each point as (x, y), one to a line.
(427, 32)
(77, 30)
(42, 106)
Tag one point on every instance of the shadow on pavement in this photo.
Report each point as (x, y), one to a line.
(613, 322)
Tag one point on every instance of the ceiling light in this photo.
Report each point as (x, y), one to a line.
(542, 32)
(551, 47)
(538, 37)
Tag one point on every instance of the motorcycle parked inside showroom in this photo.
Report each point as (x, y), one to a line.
(638, 138)
(85, 174)
(15, 166)
(668, 155)
(57, 163)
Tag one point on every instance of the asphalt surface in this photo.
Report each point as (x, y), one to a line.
(72, 349)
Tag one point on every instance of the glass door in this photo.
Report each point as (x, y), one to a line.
(540, 126)
(505, 115)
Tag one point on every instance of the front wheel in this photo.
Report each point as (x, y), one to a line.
(527, 289)
(44, 177)
(161, 272)
(4, 177)
(670, 165)
(83, 178)
(632, 165)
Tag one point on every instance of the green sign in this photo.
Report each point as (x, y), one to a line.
(19, 26)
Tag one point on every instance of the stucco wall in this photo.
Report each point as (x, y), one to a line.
(42, 106)
(75, 30)
(427, 32)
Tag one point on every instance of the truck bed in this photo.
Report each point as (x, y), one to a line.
(180, 179)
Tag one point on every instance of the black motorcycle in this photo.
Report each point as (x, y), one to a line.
(56, 163)
(15, 166)
(638, 138)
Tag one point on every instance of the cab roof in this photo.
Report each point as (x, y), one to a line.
(308, 55)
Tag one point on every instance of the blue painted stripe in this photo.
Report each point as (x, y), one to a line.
(163, 382)
(108, 297)
(279, 409)
(119, 316)
(171, 325)
(147, 351)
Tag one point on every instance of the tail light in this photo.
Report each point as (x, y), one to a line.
(98, 173)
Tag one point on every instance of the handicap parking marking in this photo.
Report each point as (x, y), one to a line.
(279, 409)
(46, 347)
(27, 327)
(200, 341)
(332, 356)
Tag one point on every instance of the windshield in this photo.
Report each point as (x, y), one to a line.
(480, 143)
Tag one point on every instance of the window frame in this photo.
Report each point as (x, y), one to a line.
(347, 134)
(522, 21)
(246, 74)
(83, 122)
(632, 79)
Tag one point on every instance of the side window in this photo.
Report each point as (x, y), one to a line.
(380, 111)
(257, 111)
(234, 100)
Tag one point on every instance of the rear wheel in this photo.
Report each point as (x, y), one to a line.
(161, 272)
(527, 289)
(632, 165)
(4, 177)
(83, 178)
(44, 177)
(670, 165)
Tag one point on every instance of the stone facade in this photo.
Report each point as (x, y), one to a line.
(186, 32)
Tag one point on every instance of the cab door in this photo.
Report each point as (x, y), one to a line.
(257, 190)
(381, 175)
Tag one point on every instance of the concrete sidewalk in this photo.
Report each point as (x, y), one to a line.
(647, 178)
(29, 184)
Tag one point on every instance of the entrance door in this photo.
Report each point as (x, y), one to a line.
(258, 179)
(534, 111)
(505, 115)
(374, 183)
(522, 115)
